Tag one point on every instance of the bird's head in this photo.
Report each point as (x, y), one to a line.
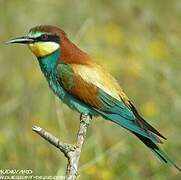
(42, 40)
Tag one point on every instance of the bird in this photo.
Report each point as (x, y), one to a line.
(86, 86)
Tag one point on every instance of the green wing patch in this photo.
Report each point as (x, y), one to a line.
(66, 74)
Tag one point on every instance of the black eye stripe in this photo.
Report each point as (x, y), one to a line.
(51, 38)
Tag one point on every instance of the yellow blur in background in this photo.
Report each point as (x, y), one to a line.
(137, 41)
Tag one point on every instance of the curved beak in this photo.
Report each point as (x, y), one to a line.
(21, 40)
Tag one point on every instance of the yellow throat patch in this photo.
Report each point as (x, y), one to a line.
(41, 49)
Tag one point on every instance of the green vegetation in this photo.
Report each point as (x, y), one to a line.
(137, 41)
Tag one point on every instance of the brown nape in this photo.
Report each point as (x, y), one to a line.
(70, 53)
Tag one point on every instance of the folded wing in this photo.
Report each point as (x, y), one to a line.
(95, 87)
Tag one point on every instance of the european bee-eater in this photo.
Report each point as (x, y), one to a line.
(85, 86)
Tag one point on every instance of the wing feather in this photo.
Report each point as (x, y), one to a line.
(78, 86)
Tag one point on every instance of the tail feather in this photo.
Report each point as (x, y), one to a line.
(128, 117)
(142, 123)
(156, 150)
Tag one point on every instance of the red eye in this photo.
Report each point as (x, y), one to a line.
(44, 37)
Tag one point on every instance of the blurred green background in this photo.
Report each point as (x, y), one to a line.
(139, 42)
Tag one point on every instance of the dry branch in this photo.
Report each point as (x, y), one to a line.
(71, 152)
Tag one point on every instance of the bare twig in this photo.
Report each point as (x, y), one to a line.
(71, 152)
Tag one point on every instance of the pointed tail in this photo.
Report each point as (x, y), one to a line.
(156, 150)
(148, 142)
(129, 118)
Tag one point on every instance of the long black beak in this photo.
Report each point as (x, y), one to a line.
(22, 40)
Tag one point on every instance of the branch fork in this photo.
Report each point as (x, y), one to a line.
(71, 152)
